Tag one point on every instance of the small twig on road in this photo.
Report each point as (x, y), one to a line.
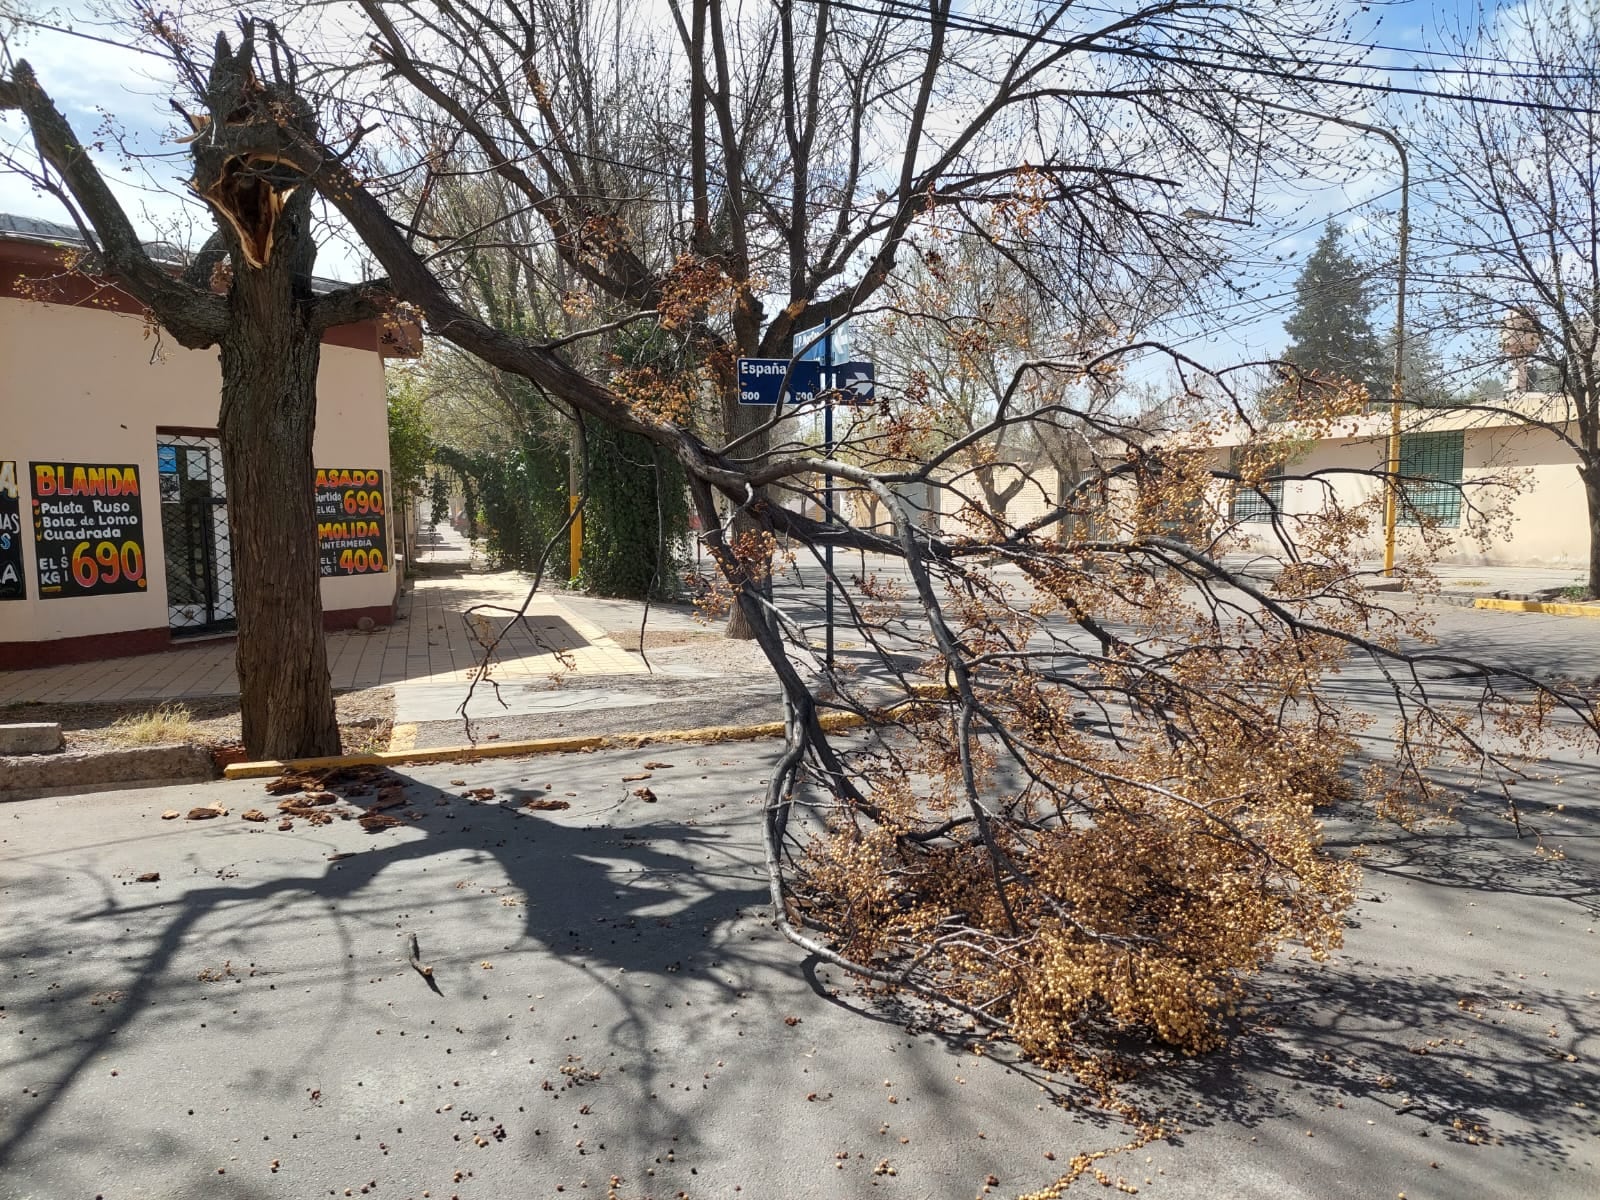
(417, 964)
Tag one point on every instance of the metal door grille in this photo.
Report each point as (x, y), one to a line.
(194, 526)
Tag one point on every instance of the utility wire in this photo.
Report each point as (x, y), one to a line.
(1169, 56)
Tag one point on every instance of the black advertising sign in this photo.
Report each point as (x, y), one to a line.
(12, 584)
(351, 535)
(88, 529)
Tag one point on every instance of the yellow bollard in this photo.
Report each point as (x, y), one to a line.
(576, 536)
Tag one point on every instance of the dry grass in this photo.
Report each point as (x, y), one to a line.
(365, 718)
(160, 726)
(658, 639)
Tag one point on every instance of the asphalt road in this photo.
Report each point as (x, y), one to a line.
(1542, 645)
(612, 1015)
(696, 685)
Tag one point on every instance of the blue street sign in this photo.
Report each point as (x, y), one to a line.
(811, 345)
(761, 381)
(856, 382)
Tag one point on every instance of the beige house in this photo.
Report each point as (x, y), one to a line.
(1506, 493)
(940, 507)
(1520, 501)
(113, 503)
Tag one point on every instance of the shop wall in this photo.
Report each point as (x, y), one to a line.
(86, 386)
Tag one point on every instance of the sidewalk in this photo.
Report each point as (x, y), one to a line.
(1515, 583)
(557, 659)
(446, 617)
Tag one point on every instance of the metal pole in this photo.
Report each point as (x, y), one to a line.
(1391, 505)
(827, 483)
(1397, 391)
(575, 460)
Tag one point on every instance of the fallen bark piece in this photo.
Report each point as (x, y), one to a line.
(304, 804)
(376, 822)
(148, 877)
(483, 793)
(540, 804)
(207, 812)
(252, 814)
(171, 814)
(417, 964)
(295, 781)
(657, 766)
(635, 778)
(645, 794)
(286, 824)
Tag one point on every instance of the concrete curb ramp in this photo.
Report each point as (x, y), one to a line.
(26, 776)
(1591, 609)
(832, 722)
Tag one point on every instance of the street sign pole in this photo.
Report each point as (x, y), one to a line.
(827, 482)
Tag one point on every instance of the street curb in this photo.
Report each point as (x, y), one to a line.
(832, 722)
(26, 777)
(1591, 610)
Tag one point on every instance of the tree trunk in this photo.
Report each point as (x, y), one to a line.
(739, 626)
(739, 420)
(1591, 491)
(269, 407)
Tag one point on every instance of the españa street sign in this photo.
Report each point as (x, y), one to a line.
(762, 381)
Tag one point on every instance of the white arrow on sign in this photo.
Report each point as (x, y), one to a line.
(856, 380)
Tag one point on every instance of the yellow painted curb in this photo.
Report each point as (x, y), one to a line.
(832, 722)
(1538, 606)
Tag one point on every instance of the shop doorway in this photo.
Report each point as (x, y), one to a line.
(194, 527)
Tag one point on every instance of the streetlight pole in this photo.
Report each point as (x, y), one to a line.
(1391, 506)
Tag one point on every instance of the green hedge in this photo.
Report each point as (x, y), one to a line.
(636, 520)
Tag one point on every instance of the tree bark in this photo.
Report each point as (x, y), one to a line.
(739, 627)
(742, 421)
(1590, 475)
(270, 354)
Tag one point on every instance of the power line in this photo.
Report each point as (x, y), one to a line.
(1419, 51)
(898, 10)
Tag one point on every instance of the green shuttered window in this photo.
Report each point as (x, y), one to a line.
(1433, 457)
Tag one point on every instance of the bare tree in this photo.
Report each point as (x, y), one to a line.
(951, 329)
(1515, 223)
(751, 174)
(249, 294)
